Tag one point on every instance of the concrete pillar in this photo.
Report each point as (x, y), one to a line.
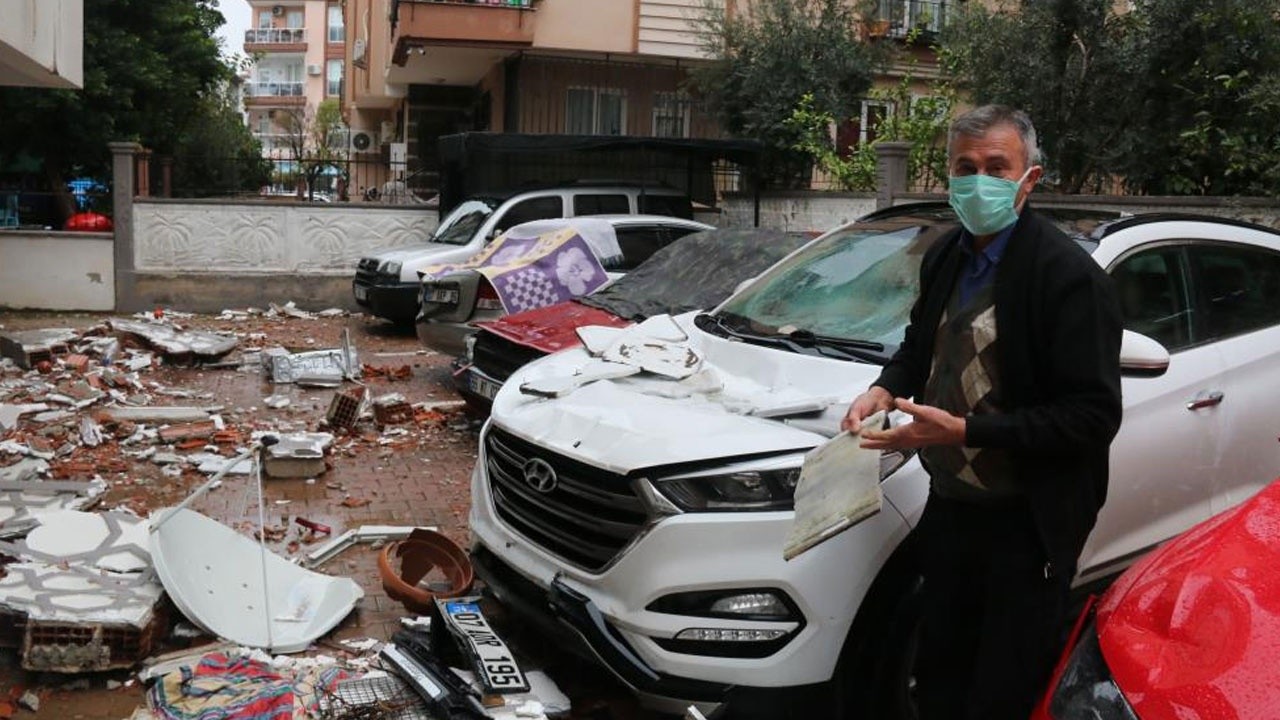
(123, 162)
(891, 171)
(166, 176)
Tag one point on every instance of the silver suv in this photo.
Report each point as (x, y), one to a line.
(386, 284)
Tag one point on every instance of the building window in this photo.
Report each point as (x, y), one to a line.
(595, 111)
(337, 32)
(293, 19)
(671, 115)
(333, 77)
(264, 19)
(863, 128)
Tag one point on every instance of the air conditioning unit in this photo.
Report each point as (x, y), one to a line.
(277, 10)
(387, 132)
(314, 69)
(363, 141)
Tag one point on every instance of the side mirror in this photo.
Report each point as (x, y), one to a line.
(1141, 356)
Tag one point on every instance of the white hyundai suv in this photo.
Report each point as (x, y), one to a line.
(657, 543)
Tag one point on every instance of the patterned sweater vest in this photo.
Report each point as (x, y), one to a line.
(965, 380)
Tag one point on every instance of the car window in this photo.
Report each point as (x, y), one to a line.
(459, 226)
(1153, 297)
(542, 208)
(668, 205)
(638, 242)
(593, 204)
(858, 284)
(1239, 289)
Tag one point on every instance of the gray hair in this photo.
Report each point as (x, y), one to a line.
(979, 121)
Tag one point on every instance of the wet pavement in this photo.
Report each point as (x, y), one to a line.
(416, 473)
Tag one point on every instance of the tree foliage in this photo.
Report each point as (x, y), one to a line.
(920, 120)
(218, 155)
(769, 54)
(147, 64)
(1168, 97)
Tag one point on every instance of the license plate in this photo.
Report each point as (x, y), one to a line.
(362, 294)
(491, 657)
(482, 386)
(441, 295)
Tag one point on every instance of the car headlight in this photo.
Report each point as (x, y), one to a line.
(391, 267)
(1086, 691)
(744, 490)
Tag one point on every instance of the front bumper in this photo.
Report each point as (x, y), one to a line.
(610, 609)
(444, 337)
(475, 387)
(397, 302)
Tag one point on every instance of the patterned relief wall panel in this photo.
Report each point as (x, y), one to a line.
(200, 237)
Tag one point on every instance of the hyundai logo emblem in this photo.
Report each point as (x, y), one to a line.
(539, 475)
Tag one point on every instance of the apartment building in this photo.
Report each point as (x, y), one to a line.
(299, 47)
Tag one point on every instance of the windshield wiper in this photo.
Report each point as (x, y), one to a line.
(710, 323)
(861, 349)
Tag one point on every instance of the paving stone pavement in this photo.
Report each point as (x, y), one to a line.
(421, 477)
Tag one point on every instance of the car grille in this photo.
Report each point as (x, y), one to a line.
(586, 519)
(498, 357)
(367, 271)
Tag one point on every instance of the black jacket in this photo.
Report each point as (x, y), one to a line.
(1058, 326)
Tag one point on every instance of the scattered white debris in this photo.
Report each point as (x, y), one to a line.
(276, 402)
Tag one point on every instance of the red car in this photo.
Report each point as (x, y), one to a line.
(1190, 632)
(695, 272)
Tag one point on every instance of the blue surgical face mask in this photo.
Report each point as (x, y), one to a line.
(985, 204)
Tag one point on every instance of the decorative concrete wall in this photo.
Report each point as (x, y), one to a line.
(258, 237)
(797, 210)
(48, 270)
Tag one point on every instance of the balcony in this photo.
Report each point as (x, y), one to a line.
(274, 93)
(900, 18)
(479, 23)
(275, 39)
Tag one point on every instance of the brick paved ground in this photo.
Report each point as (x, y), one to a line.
(419, 478)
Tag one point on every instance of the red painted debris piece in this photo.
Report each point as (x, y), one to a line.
(551, 329)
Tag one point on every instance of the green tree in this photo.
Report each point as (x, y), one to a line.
(1169, 97)
(219, 155)
(147, 64)
(769, 54)
(1071, 64)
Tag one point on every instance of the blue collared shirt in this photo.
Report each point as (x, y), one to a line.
(980, 267)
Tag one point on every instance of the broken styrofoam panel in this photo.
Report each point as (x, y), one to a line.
(28, 347)
(242, 592)
(676, 360)
(298, 455)
(314, 366)
(21, 501)
(112, 541)
(544, 697)
(276, 402)
(212, 464)
(598, 338)
(13, 447)
(594, 370)
(171, 341)
(9, 414)
(24, 470)
(289, 309)
(171, 414)
(77, 594)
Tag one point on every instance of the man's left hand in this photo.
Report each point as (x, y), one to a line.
(931, 426)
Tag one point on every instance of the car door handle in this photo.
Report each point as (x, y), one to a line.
(1208, 400)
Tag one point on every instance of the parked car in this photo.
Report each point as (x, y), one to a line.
(1190, 631)
(449, 304)
(386, 284)
(697, 271)
(644, 519)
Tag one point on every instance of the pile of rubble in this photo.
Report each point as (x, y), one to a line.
(94, 579)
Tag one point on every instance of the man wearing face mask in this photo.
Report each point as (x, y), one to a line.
(1012, 358)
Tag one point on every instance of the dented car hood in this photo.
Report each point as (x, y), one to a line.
(626, 424)
(1193, 630)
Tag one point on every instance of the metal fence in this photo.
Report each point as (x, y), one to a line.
(280, 175)
(899, 18)
(29, 201)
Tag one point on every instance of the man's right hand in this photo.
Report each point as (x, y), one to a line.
(873, 400)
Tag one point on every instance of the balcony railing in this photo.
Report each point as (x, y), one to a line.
(272, 89)
(275, 36)
(898, 18)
